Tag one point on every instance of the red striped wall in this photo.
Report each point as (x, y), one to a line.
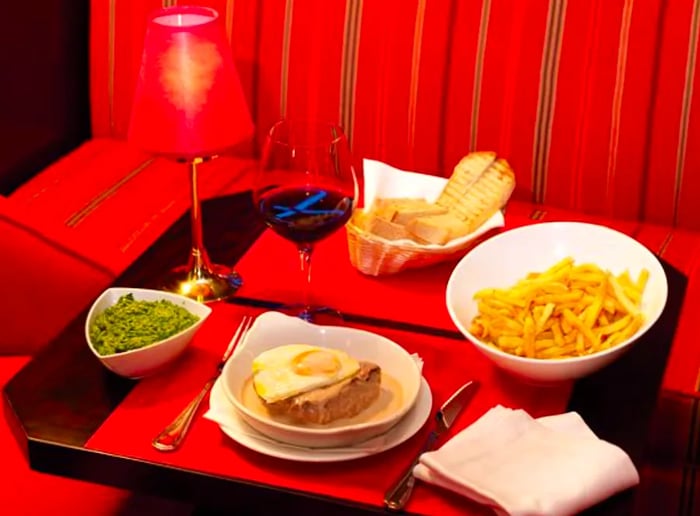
(593, 103)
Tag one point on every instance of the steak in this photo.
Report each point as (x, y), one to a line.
(344, 399)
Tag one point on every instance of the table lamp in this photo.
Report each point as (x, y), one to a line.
(189, 106)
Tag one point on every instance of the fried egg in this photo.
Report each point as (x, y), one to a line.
(286, 371)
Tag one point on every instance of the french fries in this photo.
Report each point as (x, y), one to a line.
(568, 310)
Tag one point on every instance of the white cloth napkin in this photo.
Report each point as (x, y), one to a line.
(383, 180)
(522, 466)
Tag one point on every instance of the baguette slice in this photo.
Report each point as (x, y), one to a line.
(383, 228)
(486, 196)
(403, 209)
(465, 174)
(479, 186)
(506, 176)
(438, 229)
(405, 215)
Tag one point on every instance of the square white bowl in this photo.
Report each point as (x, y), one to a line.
(502, 260)
(145, 361)
(272, 329)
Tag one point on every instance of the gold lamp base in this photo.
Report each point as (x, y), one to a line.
(200, 279)
(208, 284)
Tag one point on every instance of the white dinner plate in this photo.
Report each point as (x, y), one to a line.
(245, 435)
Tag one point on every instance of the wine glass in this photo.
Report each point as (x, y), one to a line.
(305, 188)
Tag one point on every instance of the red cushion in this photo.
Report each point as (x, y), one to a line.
(45, 279)
(82, 221)
(117, 200)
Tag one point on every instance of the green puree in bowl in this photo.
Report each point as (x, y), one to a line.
(132, 324)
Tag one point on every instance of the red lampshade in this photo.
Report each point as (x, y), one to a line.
(188, 101)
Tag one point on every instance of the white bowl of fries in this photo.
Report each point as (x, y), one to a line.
(556, 301)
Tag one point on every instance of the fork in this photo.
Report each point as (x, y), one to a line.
(171, 436)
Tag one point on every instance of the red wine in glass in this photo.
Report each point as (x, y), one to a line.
(305, 188)
(304, 214)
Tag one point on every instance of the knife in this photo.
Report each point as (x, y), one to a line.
(396, 497)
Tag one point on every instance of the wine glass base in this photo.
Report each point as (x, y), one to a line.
(203, 285)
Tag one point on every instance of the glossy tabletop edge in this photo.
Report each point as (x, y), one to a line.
(55, 448)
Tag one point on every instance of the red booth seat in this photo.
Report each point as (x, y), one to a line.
(592, 103)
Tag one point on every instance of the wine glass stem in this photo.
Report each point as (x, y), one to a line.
(305, 251)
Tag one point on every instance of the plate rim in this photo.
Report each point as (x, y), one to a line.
(275, 317)
(407, 427)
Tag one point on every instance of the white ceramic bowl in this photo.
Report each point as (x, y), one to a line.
(272, 329)
(145, 361)
(506, 258)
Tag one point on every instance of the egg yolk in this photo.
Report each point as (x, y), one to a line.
(316, 362)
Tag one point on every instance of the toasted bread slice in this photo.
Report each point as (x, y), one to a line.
(403, 209)
(406, 214)
(384, 208)
(383, 228)
(480, 185)
(506, 176)
(465, 174)
(344, 399)
(486, 196)
(438, 229)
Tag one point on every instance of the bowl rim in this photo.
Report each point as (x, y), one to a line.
(119, 291)
(554, 362)
(325, 432)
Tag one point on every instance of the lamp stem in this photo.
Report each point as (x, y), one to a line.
(200, 279)
(199, 260)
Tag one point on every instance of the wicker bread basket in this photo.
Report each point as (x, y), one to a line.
(376, 256)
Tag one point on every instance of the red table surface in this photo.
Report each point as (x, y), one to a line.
(155, 401)
(270, 272)
(414, 296)
(418, 296)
